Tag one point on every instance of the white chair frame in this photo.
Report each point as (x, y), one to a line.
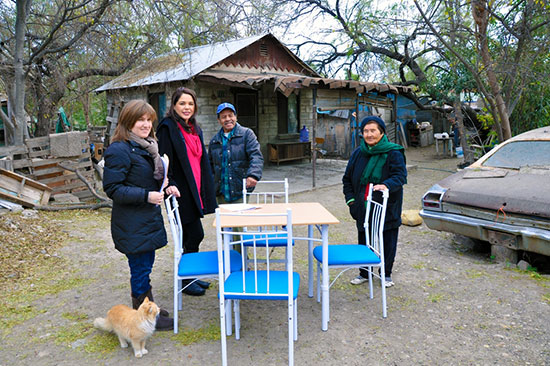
(374, 232)
(226, 238)
(256, 197)
(268, 196)
(210, 271)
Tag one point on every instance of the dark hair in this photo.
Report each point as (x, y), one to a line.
(176, 117)
(130, 113)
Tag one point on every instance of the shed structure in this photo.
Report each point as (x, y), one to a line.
(275, 94)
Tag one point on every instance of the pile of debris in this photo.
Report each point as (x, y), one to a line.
(58, 167)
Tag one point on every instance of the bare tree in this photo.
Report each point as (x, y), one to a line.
(496, 43)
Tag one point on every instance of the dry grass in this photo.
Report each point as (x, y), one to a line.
(28, 243)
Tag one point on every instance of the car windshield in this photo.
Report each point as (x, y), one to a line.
(520, 154)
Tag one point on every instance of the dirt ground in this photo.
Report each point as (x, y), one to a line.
(450, 304)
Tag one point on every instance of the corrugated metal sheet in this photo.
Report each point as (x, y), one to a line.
(179, 65)
(198, 61)
(287, 84)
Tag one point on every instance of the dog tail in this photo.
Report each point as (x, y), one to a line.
(103, 323)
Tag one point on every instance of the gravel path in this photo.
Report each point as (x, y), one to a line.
(450, 305)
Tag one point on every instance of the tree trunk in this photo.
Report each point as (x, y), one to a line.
(468, 152)
(481, 17)
(22, 7)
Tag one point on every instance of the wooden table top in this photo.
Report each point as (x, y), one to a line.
(303, 213)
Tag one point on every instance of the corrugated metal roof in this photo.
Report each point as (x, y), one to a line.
(286, 84)
(181, 65)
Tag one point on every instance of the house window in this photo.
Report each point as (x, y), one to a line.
(288, 114)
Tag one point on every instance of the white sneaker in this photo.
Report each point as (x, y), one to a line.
(359, 280)
(389, 282)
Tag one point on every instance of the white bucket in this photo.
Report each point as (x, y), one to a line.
(459, 152)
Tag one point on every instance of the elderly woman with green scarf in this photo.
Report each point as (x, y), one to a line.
(380, 163)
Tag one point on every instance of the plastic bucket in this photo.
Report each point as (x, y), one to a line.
(459, 152)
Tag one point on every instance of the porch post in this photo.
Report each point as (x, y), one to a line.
(313, 139)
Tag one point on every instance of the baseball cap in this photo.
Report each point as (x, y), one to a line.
(223, 106)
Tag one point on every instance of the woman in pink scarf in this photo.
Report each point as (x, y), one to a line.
(180, 138)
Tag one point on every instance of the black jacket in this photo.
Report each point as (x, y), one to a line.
(394, 175)
(172, 143)
(136, 225)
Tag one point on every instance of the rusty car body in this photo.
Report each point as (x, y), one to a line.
(503, 198)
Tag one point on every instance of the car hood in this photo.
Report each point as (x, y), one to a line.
(522, 192)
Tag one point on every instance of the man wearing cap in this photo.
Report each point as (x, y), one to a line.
(381, 163)
(234, 155)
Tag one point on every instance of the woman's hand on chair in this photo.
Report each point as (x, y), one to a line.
(155, 198)
(172, 190)
(379, 187)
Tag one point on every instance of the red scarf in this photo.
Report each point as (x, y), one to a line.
(194, 155)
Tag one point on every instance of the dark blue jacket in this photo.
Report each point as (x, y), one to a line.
(394, 176)
(172, 143)
(136, 225)
(245, 158)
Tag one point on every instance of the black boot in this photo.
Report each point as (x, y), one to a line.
(192, 289)
(203, 284)
(136, 302)
(163, 321)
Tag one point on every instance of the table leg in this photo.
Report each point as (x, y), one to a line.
(437, 146)
(310, 260)
(325, 315)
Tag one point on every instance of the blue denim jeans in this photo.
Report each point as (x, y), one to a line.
(141, 265)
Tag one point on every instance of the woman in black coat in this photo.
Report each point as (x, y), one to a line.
(382, 164)
(180, 138)
(133, 179)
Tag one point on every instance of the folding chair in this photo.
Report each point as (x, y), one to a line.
(256, 283)
(268, 191)
(348, 256)
(193, 266)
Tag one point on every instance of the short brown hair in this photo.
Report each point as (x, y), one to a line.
(130, 113)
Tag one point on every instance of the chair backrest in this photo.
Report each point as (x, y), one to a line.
(173, 214)
(267, 191)
(262, 273)
(374, 220)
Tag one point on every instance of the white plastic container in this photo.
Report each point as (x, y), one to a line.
(459, 152)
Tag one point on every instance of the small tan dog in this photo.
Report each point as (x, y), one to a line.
(131, 325)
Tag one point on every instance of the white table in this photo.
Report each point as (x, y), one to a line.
(312, 214)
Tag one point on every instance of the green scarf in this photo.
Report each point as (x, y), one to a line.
(377, 158)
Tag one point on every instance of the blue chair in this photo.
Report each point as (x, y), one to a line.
(348, 256)
(195, 266)
(263, 281)
(268, 191)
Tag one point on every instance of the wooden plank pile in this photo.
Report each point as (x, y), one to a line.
(42, 159)
(17, 188)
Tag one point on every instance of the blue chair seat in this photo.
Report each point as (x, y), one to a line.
(278, 284)
(275, 240)
(206, 263)
(347, 254)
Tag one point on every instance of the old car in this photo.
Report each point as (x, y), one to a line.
(503, 198)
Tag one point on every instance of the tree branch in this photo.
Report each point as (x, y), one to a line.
(83, 179)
